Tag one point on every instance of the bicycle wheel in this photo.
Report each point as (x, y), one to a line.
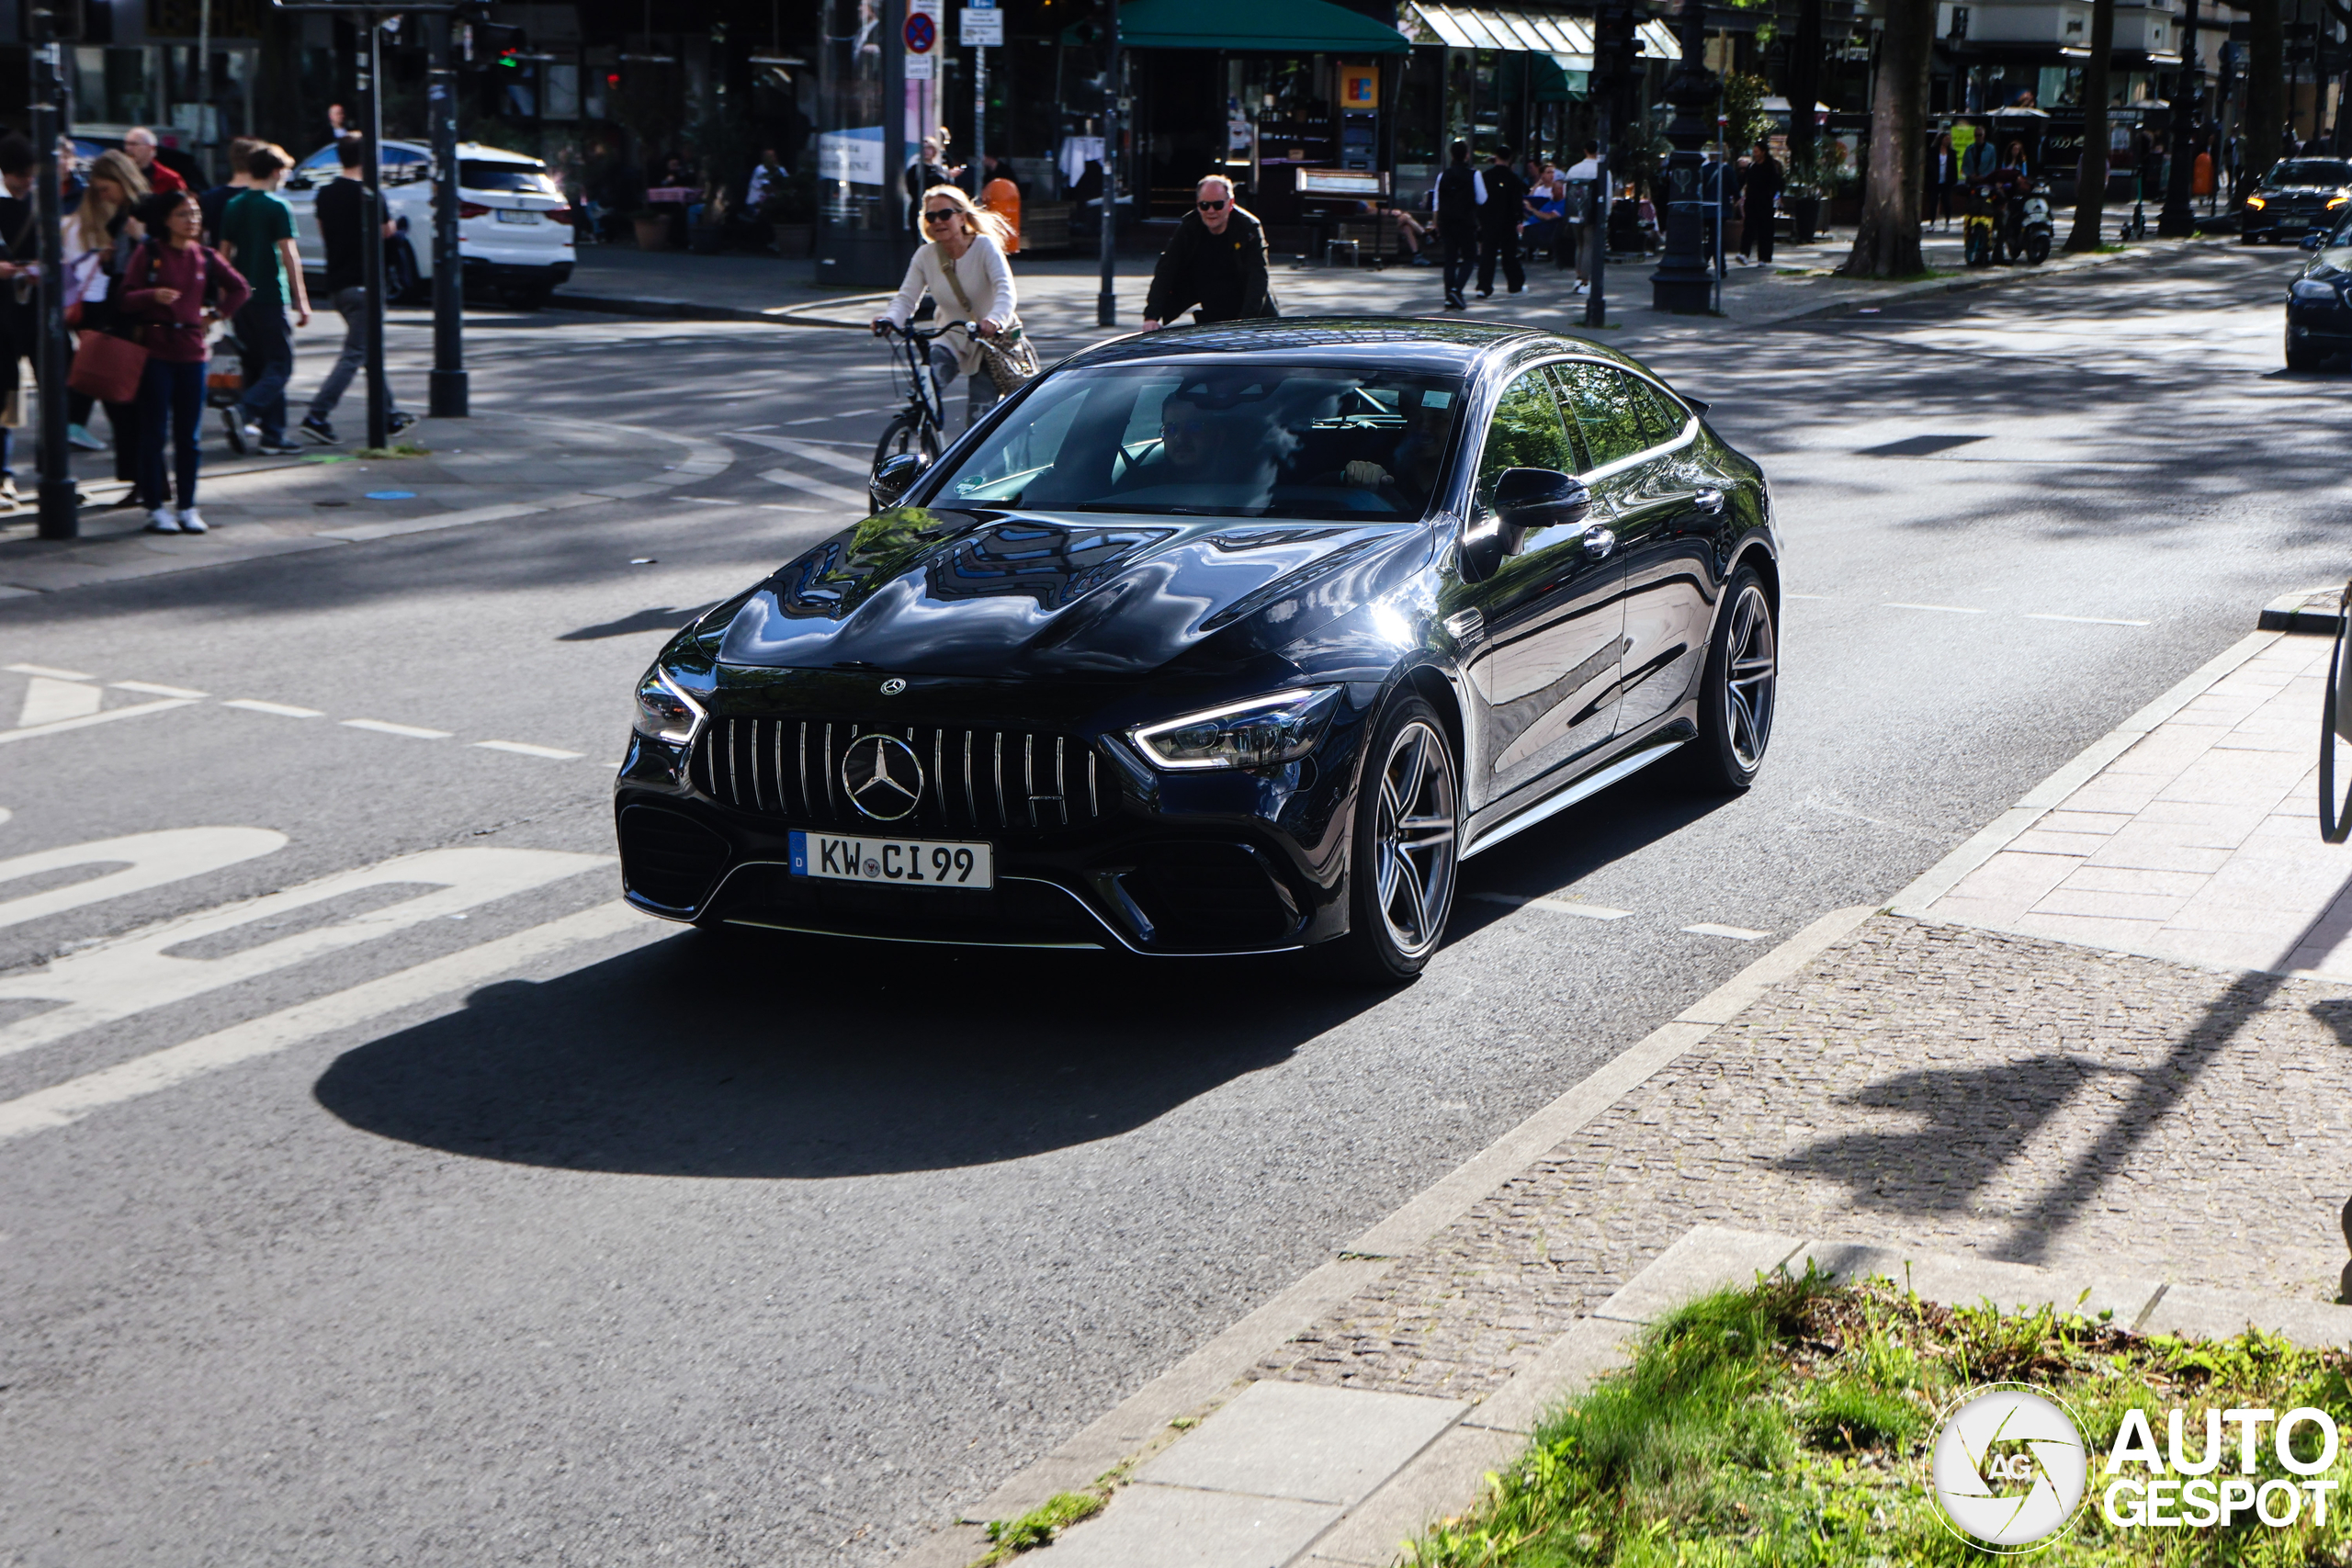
(908, 432)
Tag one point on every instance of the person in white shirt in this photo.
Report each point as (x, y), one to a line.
(961, 267)
(1583, 182)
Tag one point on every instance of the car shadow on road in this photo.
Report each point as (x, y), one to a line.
(716, 1055)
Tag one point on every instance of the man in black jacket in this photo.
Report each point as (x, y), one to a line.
(1217, 261)
(19, 320)
(1457, 224)
(1503, 202)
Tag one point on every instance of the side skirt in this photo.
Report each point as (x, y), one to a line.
(1583, 789)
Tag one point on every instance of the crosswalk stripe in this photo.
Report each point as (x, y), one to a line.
(815, 452)
(68, 1103)
(57, 727)
(820, 489)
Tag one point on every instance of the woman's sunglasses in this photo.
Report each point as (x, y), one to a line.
(1211, 206)
(942, 214)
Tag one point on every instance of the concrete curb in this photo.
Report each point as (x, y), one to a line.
(2314, 611)
(1945, 875)
(656, 308)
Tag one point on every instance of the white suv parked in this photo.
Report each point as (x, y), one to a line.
(514, 226)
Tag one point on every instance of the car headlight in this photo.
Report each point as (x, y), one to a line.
(2312, 290)
(2257, 203)
(1256, 734)
(664, 711)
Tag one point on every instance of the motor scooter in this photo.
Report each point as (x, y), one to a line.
(2034, 227)
(1980, 231)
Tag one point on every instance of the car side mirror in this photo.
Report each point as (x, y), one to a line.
(2313, 240)
(297, 182)
(1526, 500)
(894, 478)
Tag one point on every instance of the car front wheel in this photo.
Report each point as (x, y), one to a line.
(1407, 848)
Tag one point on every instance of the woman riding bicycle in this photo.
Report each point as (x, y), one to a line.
(961, 267)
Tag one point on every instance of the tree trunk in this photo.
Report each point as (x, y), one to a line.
(2090, 179)
(2266, 88)
(1803, 88)
(1887, 245)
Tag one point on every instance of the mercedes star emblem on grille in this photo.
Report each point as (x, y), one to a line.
(883, 777)
(893, 686)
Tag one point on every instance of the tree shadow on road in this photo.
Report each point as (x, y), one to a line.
(717, 1055)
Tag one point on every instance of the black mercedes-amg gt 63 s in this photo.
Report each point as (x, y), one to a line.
(1218, 640)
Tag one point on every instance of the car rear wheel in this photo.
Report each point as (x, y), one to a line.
(1741, 691)
(1405, 849)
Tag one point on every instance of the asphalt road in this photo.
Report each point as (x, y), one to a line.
(663, 1246)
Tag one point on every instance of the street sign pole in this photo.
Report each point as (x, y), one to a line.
(447, 396)
(52, 118)
(371, 229)
(1106, 303)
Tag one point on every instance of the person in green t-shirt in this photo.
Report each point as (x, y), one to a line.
(258, 236)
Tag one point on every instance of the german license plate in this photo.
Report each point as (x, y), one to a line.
(517, 215)
(904, 862)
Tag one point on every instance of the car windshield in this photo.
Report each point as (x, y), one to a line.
(2309, 171)
(1218, 441)
(479, 173)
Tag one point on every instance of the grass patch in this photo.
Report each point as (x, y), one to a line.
(406, 449)
(1008, 1538)
(1786, 1427)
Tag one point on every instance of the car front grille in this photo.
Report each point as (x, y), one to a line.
(976, 780)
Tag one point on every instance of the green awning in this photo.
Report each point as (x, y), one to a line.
(1555, 84)
(1266, 27)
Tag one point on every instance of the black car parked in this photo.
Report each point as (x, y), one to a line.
(2319, 308)
(2297, 196)
(1224, 639)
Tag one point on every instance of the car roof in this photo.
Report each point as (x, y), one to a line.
(472, 151)
(1424, 344)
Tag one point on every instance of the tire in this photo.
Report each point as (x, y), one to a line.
(907, 433)
(2302, 356)
(1404, 855)
(2037, 248)
(1975, 252)
(1740, 691)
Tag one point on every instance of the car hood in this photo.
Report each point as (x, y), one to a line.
(992, 593)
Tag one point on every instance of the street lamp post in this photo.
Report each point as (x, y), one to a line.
(1106, 304)
(1612, 50)
(2178, 220)
(1683, 282)
(449, 384)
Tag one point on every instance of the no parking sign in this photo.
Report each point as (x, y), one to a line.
(920, 33)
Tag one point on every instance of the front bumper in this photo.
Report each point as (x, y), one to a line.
(1093, 848)
(2320, 325)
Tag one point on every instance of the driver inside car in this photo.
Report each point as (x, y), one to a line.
(1415, 464)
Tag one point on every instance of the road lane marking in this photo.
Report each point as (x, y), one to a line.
(1737, 933)
(817, 488)
(521, 749)
(173, 854)
(255, 705)
(68, 1103)
(109, 717)
(815, 452)
(152, 690)
(1556, 906)
(49, 699)
(45, 669)
(1946, 609)
(2084, 620)
(137, 971)
(386, 727)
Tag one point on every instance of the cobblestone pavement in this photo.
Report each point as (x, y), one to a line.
(1935, 1086)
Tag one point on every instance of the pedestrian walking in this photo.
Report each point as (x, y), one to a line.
(962, 268)
(177, 286)
(1502, 205)
(926, 172)
(139, 143)
(257, 238)
(1217, 261)
(19, 321)
(1457, 224)
(343, 231)
(101, 231)
(1758, 189)
(216, 200)
(1588, 224)
(1943, 181)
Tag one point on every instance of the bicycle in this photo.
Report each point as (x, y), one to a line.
(918, 428)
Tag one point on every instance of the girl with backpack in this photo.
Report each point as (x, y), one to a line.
(178, 286)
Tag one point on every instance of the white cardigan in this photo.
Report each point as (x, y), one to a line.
(987, 280)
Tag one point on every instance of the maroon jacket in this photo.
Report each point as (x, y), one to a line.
(175, 332)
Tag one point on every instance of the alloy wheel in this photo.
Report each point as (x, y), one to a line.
(1751, 680)
(1414, 838)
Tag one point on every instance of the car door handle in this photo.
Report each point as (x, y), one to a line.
(1598, 543)
(1708, 503)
